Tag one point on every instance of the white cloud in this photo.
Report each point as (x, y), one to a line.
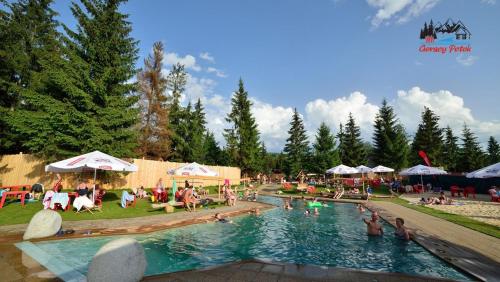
(403, 10)
(467, 60)
(449, 107)
(206, 56)
(188, 61)
(217, 72)
(273, 123)
(334, 112)
(416, 9)
(490, 2)
(199, 87)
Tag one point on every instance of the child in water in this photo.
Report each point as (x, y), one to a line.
(307, 212)
(316, 212)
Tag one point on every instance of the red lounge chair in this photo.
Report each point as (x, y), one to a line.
(470, 190)
(99, 197)
(494, 197)
(454, 189)
(418, 188)
(287, 185)
(311, 189)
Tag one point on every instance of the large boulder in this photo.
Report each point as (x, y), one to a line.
(44, 223)
(119, 260)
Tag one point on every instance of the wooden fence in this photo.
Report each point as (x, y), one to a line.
(26, 169)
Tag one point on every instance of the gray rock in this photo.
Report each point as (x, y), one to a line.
(44, 223)
(119, 260)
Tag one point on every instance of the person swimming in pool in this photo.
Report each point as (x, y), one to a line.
(361, 208)
(401, 231)
(307, 212)
(373, 228)
(288, 206)
(219, 218)
(316, 211)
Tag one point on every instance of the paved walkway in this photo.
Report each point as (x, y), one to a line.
(473, 251)
(260, 271)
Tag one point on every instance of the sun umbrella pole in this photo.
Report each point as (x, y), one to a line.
(95, 176)
(421, 180)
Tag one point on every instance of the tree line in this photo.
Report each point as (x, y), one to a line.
(67, 91)
(391, 145)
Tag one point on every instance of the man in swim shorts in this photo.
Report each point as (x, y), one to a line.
(373, 228)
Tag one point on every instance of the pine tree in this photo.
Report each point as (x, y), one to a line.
(296, 147)
(176, 82)
(354, 152)
(154, 139)
(390, 145)
(103, 41)
(50, 115)
(493, 151)
(184, 132)
(450, 151)
(213, 154)
(341, 147)
(471, 156)
(428, 138)
(28, 35)
(325, 154)
(197, 132)
(243, 137)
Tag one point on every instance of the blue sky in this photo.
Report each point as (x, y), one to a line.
(326, 58)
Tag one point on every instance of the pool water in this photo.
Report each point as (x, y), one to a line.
(337, 237)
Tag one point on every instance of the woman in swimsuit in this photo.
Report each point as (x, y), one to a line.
(401, 231)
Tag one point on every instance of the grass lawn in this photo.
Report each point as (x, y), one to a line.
(13, 213)
(479, 226)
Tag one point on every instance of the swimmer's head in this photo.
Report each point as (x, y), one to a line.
(374, 215)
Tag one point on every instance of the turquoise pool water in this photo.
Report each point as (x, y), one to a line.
(337, 237)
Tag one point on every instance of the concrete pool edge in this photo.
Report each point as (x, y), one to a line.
(264, 270)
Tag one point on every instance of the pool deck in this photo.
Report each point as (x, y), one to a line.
(263, 271)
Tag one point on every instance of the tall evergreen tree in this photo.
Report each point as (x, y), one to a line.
(325, 154)
(450, 151)
(471, 156)
(213, 154)
(50, 112)
(341, 147)
(390, 144)
(428, 138)
(28, 36)
(103, 41)
(176, 82)
(242, 137)
(354, 152)
(296, 147)
(197, 132)
(493, 151)
(154, 139)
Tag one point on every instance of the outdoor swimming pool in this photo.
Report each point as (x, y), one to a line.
(337, 237)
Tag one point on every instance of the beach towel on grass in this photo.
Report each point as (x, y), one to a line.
(47, 198)
(126, 197)
(60, 198)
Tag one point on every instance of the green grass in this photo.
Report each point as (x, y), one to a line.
(13, 213)
(455, 218)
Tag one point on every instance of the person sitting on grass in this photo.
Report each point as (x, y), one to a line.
(141, 193)
(401, 231)
(373, 228)
(57, 186)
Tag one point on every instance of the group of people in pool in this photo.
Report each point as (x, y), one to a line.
(373, 228)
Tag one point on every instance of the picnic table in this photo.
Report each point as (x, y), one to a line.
(15, 194)
(15, 187)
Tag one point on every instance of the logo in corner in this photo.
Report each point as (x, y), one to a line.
(450, 37)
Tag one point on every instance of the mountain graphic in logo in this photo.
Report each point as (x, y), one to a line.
(446, 33)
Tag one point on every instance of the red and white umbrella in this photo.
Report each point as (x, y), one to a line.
(91, 162)
(194, 169)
